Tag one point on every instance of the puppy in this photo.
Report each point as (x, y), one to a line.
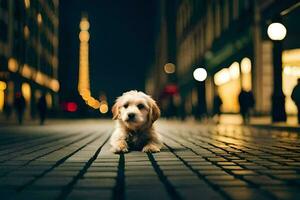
(135, 113)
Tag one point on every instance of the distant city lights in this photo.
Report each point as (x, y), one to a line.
(84, 78)
(169, 68)
(103, 108)
(222, 76)
(2, 88)
(246, 65)
(200, 74)
(71, 107)
(276, 31)
(27, 3)
(13, 65)
(234, 70)
(39, 18)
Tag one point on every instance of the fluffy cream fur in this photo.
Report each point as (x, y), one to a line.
(135, 113)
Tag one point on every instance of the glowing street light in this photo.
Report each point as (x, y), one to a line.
(276, 31)
(169, 68)
(200, 74)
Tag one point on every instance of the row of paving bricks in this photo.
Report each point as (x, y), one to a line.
(197, 162)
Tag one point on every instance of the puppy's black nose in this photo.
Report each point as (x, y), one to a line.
(131, 116)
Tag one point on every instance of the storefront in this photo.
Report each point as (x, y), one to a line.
(290, 75)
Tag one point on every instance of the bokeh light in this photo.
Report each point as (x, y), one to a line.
(200, 74)
(276, 31)
(169, 68)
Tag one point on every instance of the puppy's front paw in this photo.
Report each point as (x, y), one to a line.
(151, 148)
(120, 148)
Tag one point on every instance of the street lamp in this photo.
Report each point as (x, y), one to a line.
(277, 32)
(200, 74)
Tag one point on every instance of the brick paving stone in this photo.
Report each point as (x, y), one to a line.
(140, 181)
(232, 167)
(90, 194)
(263, 180)
(73, 161)
(39, 194)
(244, 193)
(229, 183)
(243, 172)
(100, 175)
(141, 193)
(96, 183)
(199, 193)
(283, 192)
(220, 177)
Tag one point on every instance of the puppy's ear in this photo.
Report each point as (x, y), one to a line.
(115, 110)
(154, 111)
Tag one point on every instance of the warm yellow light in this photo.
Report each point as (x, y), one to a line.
(222, 76)
(276, 31)
(26, 71)
(85, 92)
(13, 65)
(292, 71)
(246, 65)
(39, 18)
(96, 104)
(200, 74)
(84, 36)
(1, 100)
(39, 78)
(27, 3)
(234, 70)
(169, 68)
(103, 108)
(291, 57)
(2, 85)
(54, 85)
(26, 32)
(49, 100)
(84, 24)
(26, 91)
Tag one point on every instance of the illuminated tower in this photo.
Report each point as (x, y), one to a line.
(84, 79)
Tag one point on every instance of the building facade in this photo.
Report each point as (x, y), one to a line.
(229, 39)
(28, 52)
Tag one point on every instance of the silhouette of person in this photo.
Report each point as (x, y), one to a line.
(217, 107)
(42, 108)
(20, 105)
(7, 109)
(296, 98)
(246, 101)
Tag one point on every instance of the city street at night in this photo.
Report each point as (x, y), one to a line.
(149, 99)
(70, 159)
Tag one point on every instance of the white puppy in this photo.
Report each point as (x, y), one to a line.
(135, 113)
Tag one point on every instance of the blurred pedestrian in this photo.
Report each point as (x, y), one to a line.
(20, 105)
(7, 109)
(246, 101)
(42, 108)
(296, 98)
(217, 107)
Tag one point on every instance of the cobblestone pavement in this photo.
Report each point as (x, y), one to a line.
(72, 161)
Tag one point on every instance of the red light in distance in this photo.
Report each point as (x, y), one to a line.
(71, 107)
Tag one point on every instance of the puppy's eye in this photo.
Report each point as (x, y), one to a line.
(126, 105)
(141, 106)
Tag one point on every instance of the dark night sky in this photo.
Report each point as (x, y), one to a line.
(121, 44)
